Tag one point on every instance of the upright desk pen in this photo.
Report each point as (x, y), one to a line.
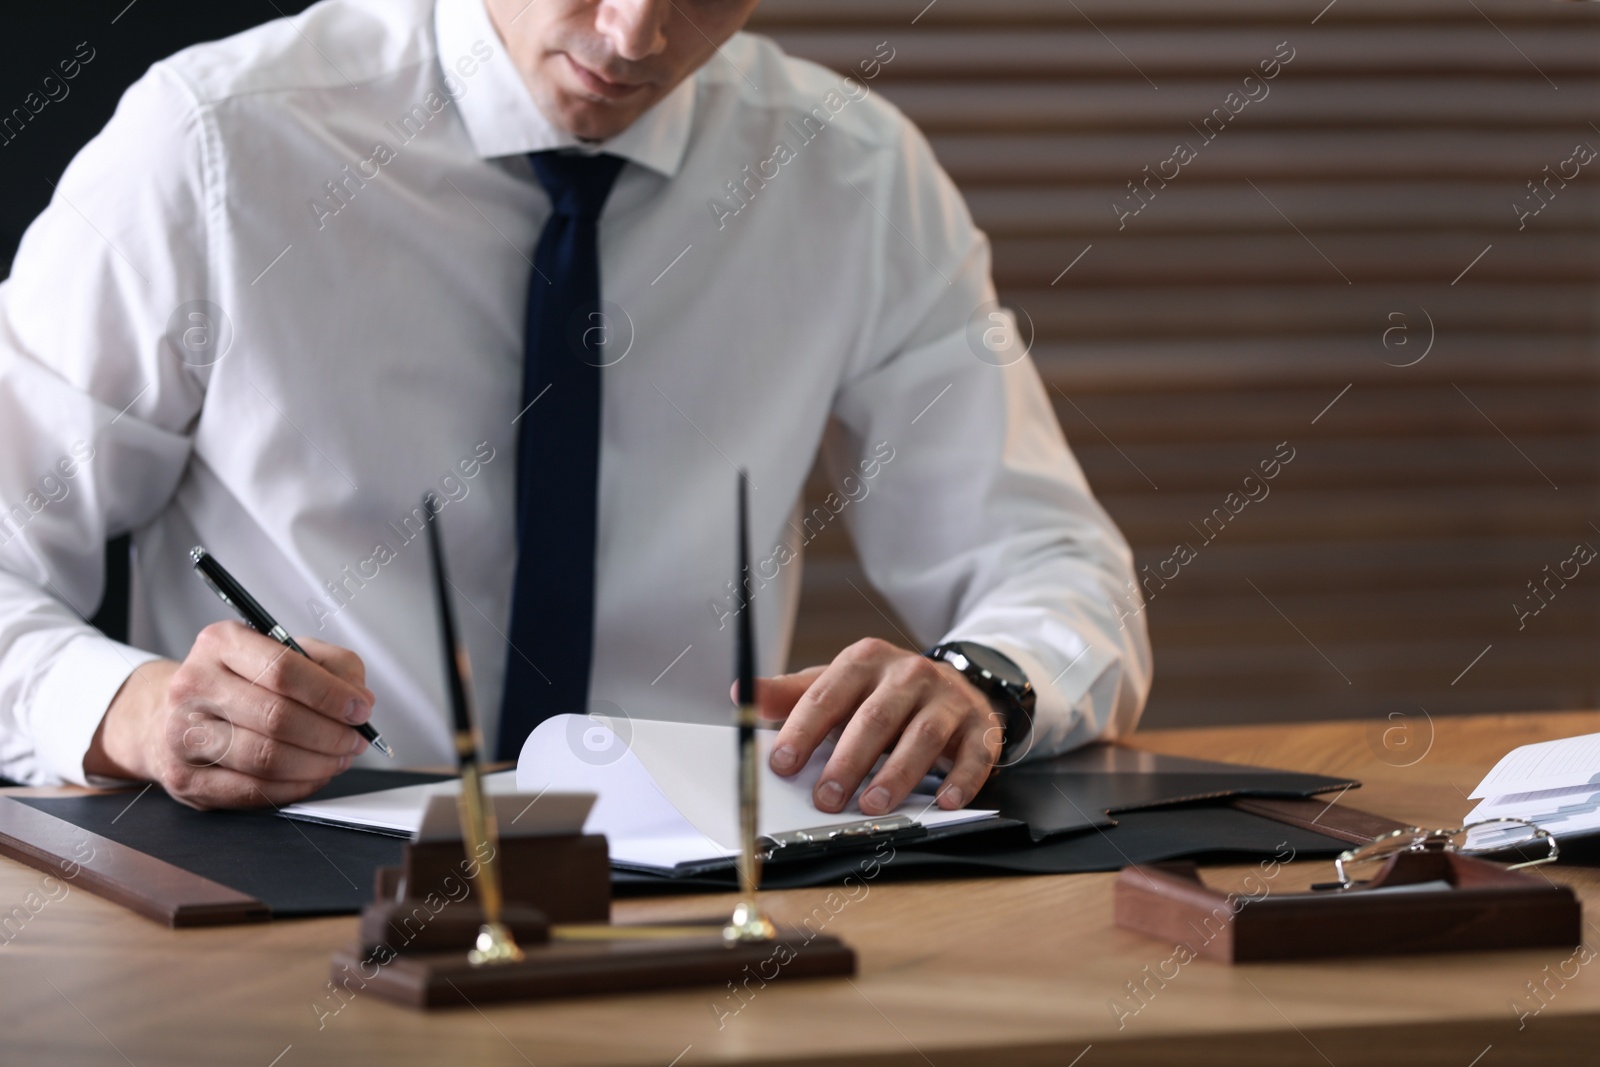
(495, 943)
(748, 923)
(255, 616)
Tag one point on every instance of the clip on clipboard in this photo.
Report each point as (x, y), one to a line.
(874, 829)
(1419, 901)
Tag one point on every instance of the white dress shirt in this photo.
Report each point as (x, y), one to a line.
(283, 293)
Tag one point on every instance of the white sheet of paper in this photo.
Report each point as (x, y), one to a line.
(400, 810)
(1553, 784)
(1571, 761)
(515, 815)
(667, 792)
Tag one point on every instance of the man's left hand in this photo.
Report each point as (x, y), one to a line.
(890, 700)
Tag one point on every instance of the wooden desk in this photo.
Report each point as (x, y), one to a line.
(1015, 971)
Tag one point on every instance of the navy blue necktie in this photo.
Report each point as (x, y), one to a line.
(558, 454)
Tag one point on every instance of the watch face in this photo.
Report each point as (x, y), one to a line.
(994, 662)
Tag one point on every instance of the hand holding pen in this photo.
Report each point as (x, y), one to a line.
(255, 616)
(248, 719)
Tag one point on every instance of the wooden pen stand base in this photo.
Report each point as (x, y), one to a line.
(415, 936)
(586, 968)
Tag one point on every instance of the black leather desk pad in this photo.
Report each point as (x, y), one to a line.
(1056, 823)
(296, 869)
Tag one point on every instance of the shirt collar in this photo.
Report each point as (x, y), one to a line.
(502, 119)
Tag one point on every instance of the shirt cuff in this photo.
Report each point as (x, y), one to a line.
(73, 697)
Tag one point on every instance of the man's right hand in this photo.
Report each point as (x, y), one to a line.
(241, 723)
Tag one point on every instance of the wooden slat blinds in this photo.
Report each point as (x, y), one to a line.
(1382, 184)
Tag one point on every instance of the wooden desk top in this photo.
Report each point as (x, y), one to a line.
(1013, 970)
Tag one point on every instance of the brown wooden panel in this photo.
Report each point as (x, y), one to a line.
(1235, 363)
(1254, 299)
(1412, 567)
(1128, 469)
(1417, 207)
(1345, 616)
(1240, 311)
(1048, 13)
(1367, 674)
(1286, 257)
(1045, 106)
(1525, 412)
(1079, 52)
(1261, 156)
(1357, 515)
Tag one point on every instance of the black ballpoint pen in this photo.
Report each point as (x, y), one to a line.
(255, 616)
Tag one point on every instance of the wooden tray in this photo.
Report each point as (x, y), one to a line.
(1488, 907)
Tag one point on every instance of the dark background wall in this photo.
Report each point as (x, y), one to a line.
(37, 37)
(125, 39)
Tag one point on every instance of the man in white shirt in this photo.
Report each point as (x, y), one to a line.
(293, 284)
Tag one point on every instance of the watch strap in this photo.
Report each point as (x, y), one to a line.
(1013, 699)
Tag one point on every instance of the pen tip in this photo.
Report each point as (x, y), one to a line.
(383, 746)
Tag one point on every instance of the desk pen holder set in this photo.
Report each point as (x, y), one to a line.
(531, 906)
(415, 935)
(1399, 912)
(430, 901)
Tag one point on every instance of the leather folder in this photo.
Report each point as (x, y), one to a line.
(1087, 788)
(1096, 809)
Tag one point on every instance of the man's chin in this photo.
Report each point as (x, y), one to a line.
(594, 120)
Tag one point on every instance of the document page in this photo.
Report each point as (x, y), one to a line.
(667, 790)
(1571, 761)
(1552, 784)
(399, 811)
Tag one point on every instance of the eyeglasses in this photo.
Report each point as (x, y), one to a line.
(1475, 839)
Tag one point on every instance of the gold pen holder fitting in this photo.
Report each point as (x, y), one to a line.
(747, 925)
(495, 945)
